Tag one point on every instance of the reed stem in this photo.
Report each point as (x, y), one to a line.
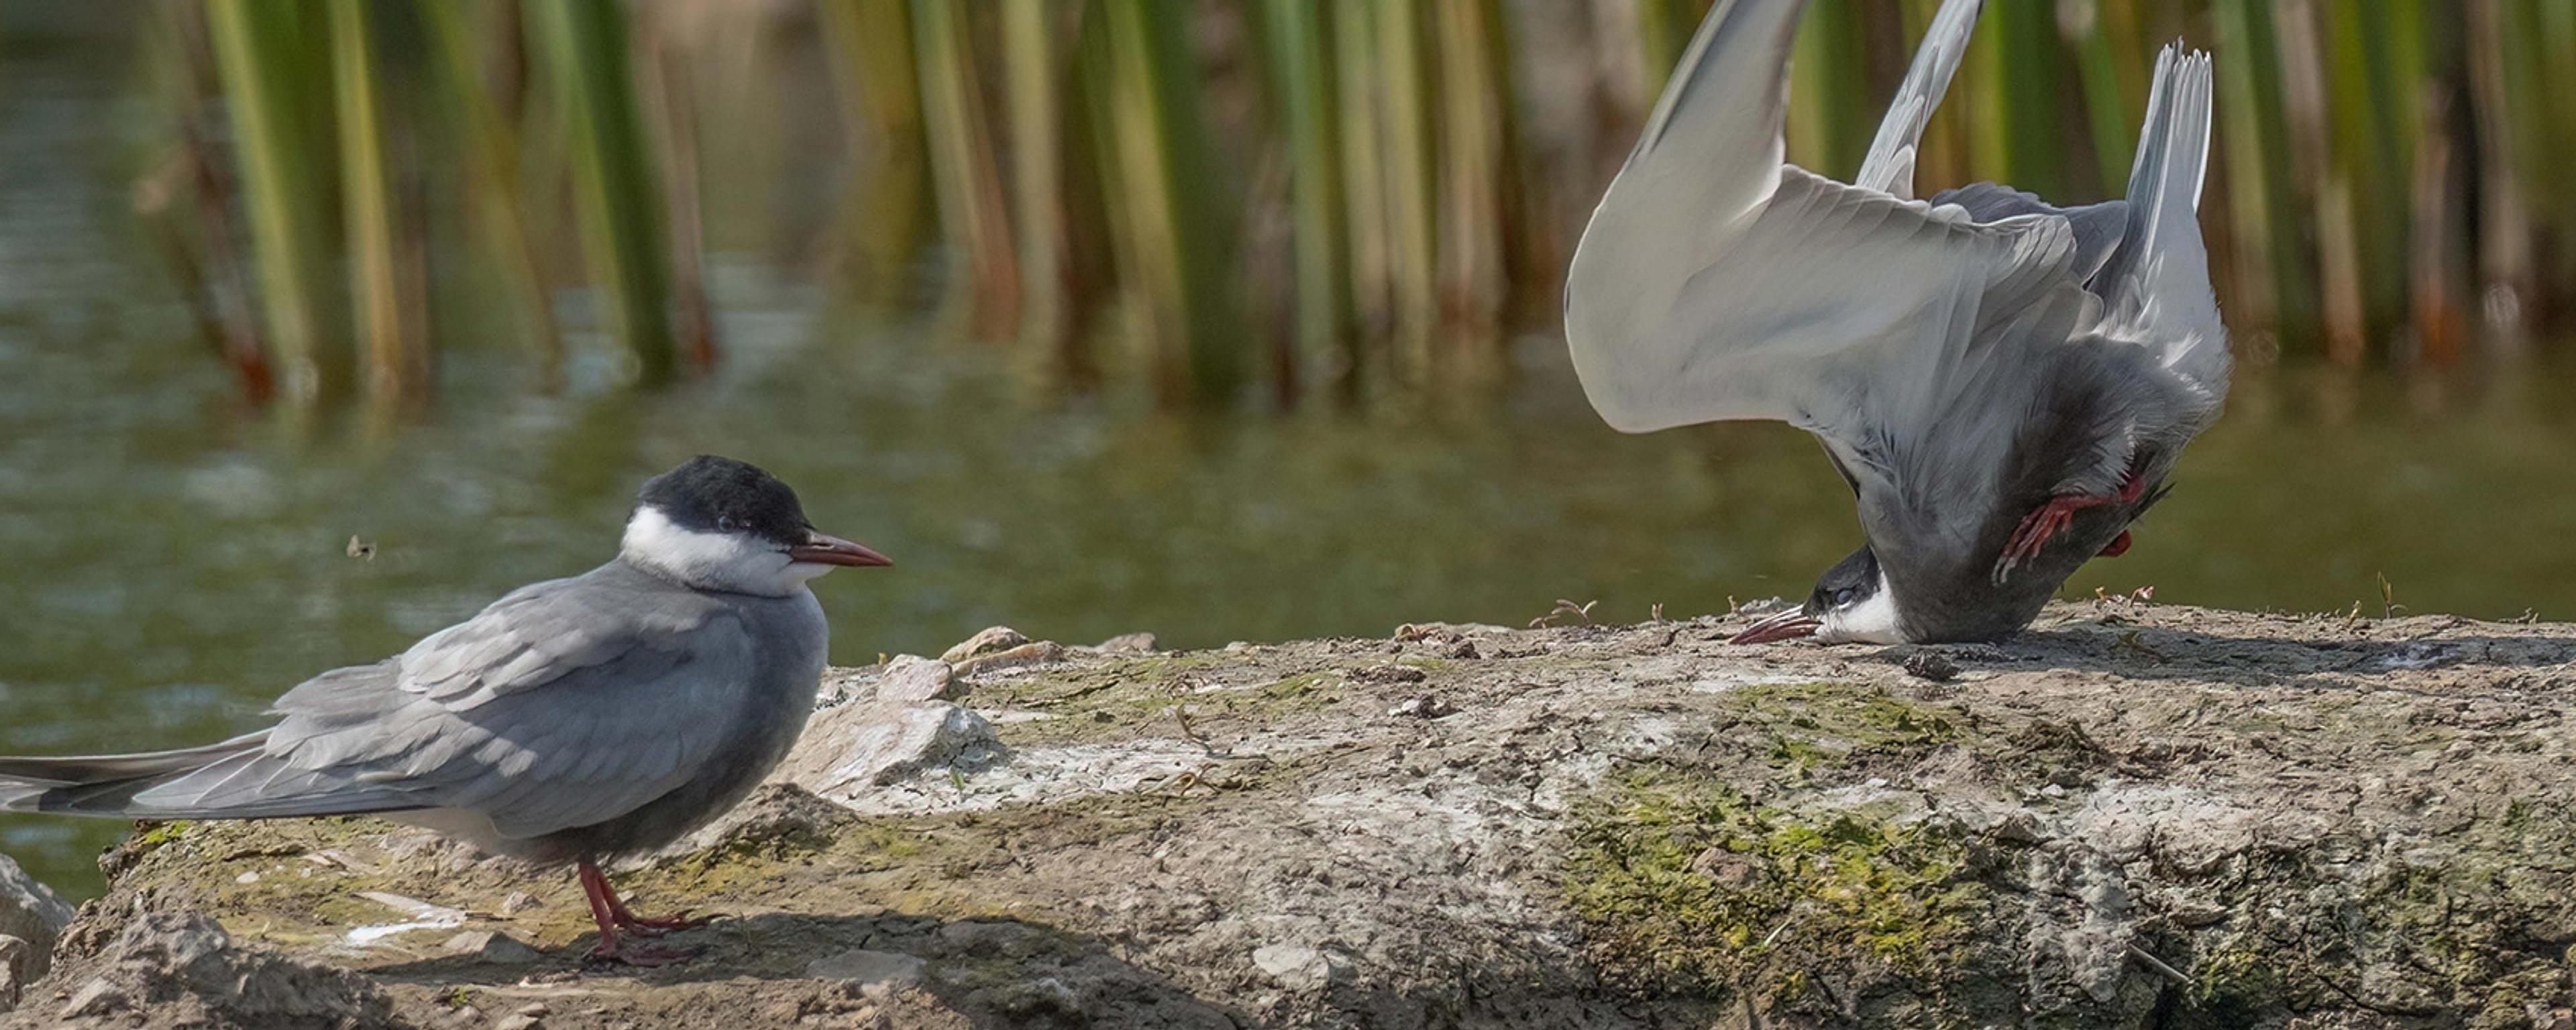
(1473, 166)
(265, 62)
(397, 368)
(491, 146)
(1404, 122)
(1300, 35)
(1177, 242)
(984, 271)
(614, 196)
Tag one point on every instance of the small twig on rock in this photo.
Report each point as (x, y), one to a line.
(1776, 931)
(1565, 608)
(2104, 600)
(2157, 964)
(2130, 640)
(1189, 732)
(1179, 783)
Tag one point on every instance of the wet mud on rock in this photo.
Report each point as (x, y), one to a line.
(2131, 816)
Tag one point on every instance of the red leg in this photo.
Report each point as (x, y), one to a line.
(653, 926)
(2052, 518)
(646, 926)
(612, 918)
(2118, 546)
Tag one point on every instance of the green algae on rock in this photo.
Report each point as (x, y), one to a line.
(1684, 887)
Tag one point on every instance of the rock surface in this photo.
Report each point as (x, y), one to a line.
(30, 917)
(2130, 817)
(176, 969)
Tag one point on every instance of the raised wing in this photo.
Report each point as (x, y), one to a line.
(1889, 168)
(1715, 282)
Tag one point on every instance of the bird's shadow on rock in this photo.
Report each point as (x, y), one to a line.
(2330, 657)
(997, 972)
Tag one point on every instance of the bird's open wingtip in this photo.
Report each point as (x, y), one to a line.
(2192, 58)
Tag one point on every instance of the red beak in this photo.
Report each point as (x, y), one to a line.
(1788, 625)
(824, 549)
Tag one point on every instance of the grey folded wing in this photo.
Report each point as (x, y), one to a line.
(564, 704)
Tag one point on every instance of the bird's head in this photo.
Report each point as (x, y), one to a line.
(720, 524)
(1851, 603)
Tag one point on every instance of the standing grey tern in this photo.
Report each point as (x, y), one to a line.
(2004, 384)
(571, 721)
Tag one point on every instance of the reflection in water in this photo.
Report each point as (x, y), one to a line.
(169, 562)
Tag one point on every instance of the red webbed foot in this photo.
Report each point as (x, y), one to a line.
(2052, 518)
(616, 924)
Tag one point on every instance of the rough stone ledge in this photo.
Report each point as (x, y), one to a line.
(2132, 816)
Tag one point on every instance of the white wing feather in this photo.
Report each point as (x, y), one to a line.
(1889, 167)
(1715, 282)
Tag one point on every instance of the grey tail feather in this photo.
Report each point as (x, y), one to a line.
(107, 785)
(82, 769)
(2173, 157)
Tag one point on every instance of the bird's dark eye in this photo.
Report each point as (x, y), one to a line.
(727, 523)
(1844, 596)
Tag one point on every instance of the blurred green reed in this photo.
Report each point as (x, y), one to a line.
(491, 145)
(963, 165)
(381, 247)
(1173, 238)
(1401, 177)
(275, 74)
(615, 193)
(1301, 38)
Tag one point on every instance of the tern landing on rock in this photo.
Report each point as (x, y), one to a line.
(572, 720)
(2005, 384)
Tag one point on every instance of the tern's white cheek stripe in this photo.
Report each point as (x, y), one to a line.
(736, 562)
(1873, 620)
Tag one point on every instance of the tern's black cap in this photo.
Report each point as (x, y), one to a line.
(1851, 581)
(711, 494)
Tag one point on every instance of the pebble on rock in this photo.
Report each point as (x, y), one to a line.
(495, 948)
(1130, 643)
(883, 970)
(997, 638)
(912, 679)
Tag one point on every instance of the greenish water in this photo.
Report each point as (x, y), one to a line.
(170, 561)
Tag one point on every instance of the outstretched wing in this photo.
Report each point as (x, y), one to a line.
(1889, 168)
(1716, 282)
